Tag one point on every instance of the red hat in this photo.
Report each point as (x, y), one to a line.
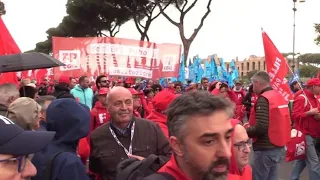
(64, 79)
(313, 82)
(103, 91)
(134, 92)
(163, 99)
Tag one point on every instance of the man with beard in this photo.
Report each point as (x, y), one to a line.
(101, 82)
(200, 137)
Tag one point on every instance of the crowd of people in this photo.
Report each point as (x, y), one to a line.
(114, 130)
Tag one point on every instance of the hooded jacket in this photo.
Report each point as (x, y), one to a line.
(84, 95)
(70, 120)
(307, 124)
(160, 103)
(234, 171)
(99, 116)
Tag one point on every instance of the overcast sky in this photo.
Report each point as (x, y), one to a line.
(232, 29)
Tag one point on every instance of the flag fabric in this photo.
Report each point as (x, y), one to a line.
(277, 67)
(7, 46)
(214, 69)
(234, 74)
(182, 74)
(191, 71)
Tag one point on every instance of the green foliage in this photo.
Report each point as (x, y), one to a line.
(308, 71)
(317, 30)
(89, 18)
(310, 58)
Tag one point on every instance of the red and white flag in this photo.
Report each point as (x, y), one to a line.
(277, 67)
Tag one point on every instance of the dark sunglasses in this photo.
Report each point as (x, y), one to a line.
(20, 160)
(104, 81)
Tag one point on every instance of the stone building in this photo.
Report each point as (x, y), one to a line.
(253, 63)
(249, 64)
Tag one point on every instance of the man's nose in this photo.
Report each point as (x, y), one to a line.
(29, 170)
(247, 149)
(224, 150)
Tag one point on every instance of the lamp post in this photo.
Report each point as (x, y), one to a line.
(294, 32)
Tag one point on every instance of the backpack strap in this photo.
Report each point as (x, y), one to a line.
(49, 165)
(306, 101)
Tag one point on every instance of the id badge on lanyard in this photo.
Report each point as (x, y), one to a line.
(128, 152)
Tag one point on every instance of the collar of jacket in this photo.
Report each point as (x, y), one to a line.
(120, 131)
(266, 89)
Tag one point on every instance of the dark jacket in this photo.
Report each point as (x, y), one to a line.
(260, 130)
(3, 110)
(106, 154)
(247, 101)
(70, 120)
(62, 91)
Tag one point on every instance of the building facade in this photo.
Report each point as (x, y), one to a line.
(253, 63)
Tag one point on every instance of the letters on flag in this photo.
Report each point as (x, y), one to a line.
(276, 67)
(115, 57)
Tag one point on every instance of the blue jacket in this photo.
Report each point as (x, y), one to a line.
(70, 120)
(85, 95)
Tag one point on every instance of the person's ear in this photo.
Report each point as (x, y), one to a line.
(177, 146)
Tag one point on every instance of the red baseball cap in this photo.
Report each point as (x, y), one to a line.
(313, 82)
(104, 91)
(64, 79)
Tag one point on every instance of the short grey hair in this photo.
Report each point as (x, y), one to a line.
(42, 99)
(262, 77)
(191, 104)
(8, 91)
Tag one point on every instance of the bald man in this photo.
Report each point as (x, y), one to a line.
(242, 145)
(124, 136)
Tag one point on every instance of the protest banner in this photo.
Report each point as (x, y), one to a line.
(115, 57)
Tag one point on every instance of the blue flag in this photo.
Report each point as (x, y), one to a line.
(182, 74)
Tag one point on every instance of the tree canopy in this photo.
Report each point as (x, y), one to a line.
(87, 18)
(317, 30)
(183, 7)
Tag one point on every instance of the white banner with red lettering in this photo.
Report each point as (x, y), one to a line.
(115, 57)
(277, 67)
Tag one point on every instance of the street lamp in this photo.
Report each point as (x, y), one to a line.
(294, 31)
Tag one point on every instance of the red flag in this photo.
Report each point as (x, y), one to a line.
(277, 67)
(7, 46)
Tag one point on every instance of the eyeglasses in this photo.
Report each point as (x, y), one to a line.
(20, 160)
(135, 97)
(243, 145)
(104, 81)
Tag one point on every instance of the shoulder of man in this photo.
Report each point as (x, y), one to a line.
(145, 122)
(100, 132)
(262, 102)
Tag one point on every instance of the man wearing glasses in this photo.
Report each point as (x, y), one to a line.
(239, 162)
(15, 147)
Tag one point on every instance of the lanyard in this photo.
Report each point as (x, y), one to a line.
(120, 144)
